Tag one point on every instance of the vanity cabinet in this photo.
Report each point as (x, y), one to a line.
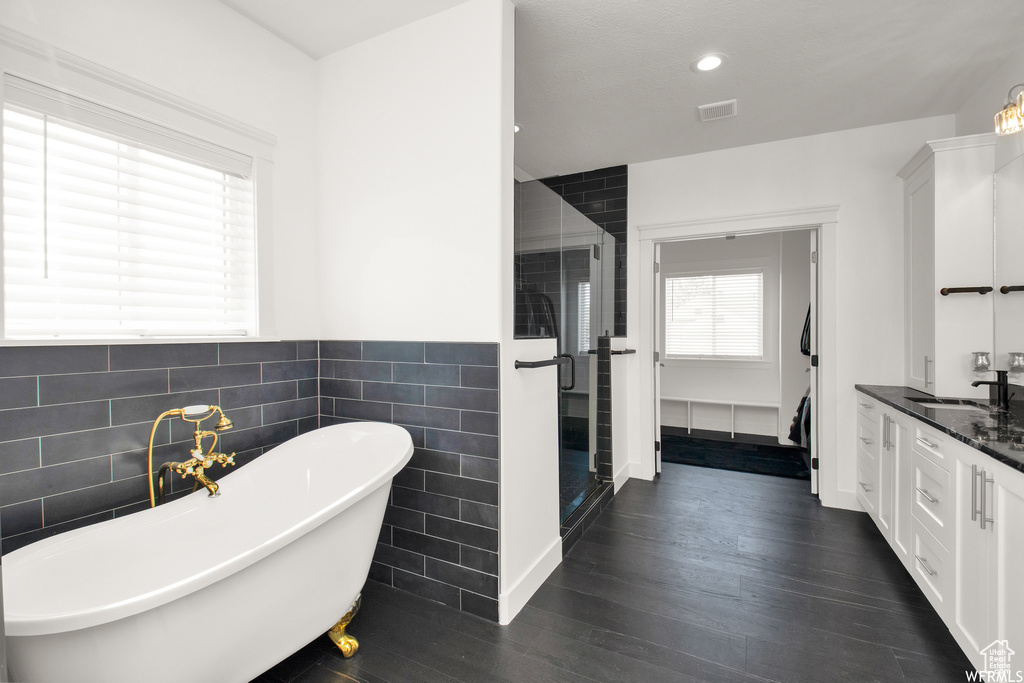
(948, 244)
(989, 551)
(953, 515)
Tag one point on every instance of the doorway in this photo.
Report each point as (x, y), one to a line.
(824, 222)
(735, 325)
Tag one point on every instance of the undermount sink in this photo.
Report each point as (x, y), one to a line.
(950, 404)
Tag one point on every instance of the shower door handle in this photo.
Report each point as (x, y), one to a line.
(572, 372)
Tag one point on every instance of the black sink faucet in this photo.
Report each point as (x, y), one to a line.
(1002, 389)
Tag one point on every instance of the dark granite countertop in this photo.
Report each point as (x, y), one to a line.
(994, 432)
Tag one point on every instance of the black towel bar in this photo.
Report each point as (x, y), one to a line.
(946, 291)
(1006, 289)
(557, 360)
(623, 352)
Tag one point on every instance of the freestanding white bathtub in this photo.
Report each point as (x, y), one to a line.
(208, 589)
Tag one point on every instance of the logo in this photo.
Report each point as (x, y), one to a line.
(998, 665)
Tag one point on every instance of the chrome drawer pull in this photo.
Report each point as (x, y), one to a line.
(927, 495)
(924, 564)
(866, 440)
(867, 489)
(927, 443)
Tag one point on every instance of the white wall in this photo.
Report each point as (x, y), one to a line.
(206, 53)
(854, 169)
(796, 295)
(410, 172)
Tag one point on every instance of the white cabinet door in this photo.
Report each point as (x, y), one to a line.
(1007, 557)
(900, 441)
(971, 601)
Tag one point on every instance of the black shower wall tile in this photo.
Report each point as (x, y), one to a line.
(308, 424)
(258, 437)
(463, 488)
(406, 373)
(54, 389)
(362, 410)
(18, 392)
(290, 369)
(410, 478)
(480, 560)
(401, 518)
(257, 352)
(479, 468)
(480, 514)
(402, 352)
(462, 353)
(480, 423)
(429, 546)
(393, 393)
(131, 410)
(290, 410)
(20, 423)
(12, 543)
(341, 388)
(432, 590)
(341, 350)
(399, 558)
(95, 442)
(452, 574)
(480, 377)
(145, 356)
(423, 416)
(459, 442)
(466, 399)
(307, 350)
(460, 532)
(19, 455)
(308, 388)
(430, 503)
(485, 608)
(20, 361)
(257, 394)
(365, 370)
(22, 517)
(380, 573)
(18, 487)
(133, 463)
(192, 379)
(416, 434)
(436, 461)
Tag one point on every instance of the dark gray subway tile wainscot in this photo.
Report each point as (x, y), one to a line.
(75, 421)
(440, 533)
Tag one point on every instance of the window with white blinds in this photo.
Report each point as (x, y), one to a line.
(117, 228)
(715, 315)
(583, 321)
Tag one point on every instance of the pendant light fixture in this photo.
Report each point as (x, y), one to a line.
(1010, 119)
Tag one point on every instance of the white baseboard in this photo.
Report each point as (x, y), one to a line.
(514, 599)
(620, 478)
(847, 500)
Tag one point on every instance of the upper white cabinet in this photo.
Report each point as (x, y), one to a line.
(948, 213)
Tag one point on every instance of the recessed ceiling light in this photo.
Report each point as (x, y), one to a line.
(708, 63)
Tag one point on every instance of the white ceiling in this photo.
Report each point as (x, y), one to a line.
(607, 82)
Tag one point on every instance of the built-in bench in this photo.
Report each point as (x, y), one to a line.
(708, 401)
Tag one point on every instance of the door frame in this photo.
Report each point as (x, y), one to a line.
(825, 219)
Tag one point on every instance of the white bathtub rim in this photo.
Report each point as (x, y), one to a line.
(56, 622)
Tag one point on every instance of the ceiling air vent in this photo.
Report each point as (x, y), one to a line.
(717, 110)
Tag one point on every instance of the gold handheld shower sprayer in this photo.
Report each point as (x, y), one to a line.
(200, 461)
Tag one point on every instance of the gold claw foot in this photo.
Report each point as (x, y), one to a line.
(346, 643)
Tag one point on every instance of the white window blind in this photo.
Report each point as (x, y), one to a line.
(583, 321)
(116, 227)
(715, 315)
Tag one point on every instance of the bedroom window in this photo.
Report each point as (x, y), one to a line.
(717, 315)
(115, 227)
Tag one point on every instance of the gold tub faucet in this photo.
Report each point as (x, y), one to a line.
(200, 461)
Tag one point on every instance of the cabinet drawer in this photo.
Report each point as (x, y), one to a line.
(932, 497)
(934, 445)
(932, 569)
(867, 486)
(867, 441)
(868, 407)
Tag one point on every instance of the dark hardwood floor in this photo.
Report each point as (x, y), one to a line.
(702, 575)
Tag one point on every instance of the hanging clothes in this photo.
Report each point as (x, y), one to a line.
(805, 338)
